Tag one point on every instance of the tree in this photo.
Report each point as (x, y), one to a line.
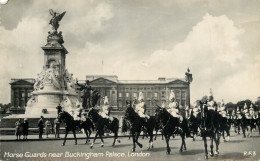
(242, 103)
(231, 106)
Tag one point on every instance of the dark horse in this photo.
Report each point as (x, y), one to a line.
(209, 127)
(169, 123)
(194, 122)
(136, 124)
(100, 124)
(71, 125)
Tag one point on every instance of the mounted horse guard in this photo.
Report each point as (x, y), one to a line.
(210, 124)
(102, 119)
(238, 118)
(224, 126)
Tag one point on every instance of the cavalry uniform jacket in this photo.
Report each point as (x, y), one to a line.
(195, 111)
(105, 111)
(211, 105)
(173, 109)
(140, 109)
(223, 112)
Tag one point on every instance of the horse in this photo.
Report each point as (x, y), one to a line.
(126, 125)
(135, 126)
(209, 127)
(169, 123)
(247, 124)
(71, 125)
(100, 124)
(224, 127)
(194, 124)
(158, 127)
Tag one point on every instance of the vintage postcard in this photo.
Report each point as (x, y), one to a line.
(129, 80)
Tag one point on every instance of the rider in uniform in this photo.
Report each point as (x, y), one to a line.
(246, 112)
(106, 109)
(222, 110)
(211, 103)
(173, 106)
(238, 119)
(140, 108)
(252, 112)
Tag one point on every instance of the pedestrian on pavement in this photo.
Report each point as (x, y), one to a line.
(59, 109)
(18, 129)
(25, 129)
(57, 128)
(40, 126)
(48, 127)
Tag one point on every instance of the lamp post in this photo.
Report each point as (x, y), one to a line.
(188, 78)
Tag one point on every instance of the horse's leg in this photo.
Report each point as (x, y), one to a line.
(162, 135)
(66, 133)
(136, 139)
(184, 143)
(133, 136)
(216, 143)
(87, 135)
(155, 134)
(228, 134)
(211, 145)
(244, 131)
(74, 134)
(205, 145)
(115, 138)
(182, 138)
(167, 138)
(101, 138)
(91, 146)
(223, 135)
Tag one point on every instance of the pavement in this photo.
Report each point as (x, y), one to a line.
(8, 138)
(238, 148)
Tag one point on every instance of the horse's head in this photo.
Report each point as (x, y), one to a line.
(93, 114)
(130, 113)
(203, 108)
(65, 116)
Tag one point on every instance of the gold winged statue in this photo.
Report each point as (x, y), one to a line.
(56, 17)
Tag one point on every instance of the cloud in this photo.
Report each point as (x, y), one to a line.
(213, 53)
(20, 47)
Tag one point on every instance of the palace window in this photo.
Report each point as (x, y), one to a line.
(183, 95)
(134, 95)
(163, 94)
(155, 95)
(126, 94)
(120, 94)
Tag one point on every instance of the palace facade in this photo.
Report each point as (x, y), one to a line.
(117, 91)
(120, 91)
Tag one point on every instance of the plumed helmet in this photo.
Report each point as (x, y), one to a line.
(106, 101)
(141, 96)
(251, 107)
(210, 94)
(163, 105)
(245, 106)
(172, 95)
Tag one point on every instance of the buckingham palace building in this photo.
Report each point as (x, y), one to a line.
(117, 91)
(120, 91)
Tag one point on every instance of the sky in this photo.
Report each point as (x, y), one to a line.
(140, 40)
